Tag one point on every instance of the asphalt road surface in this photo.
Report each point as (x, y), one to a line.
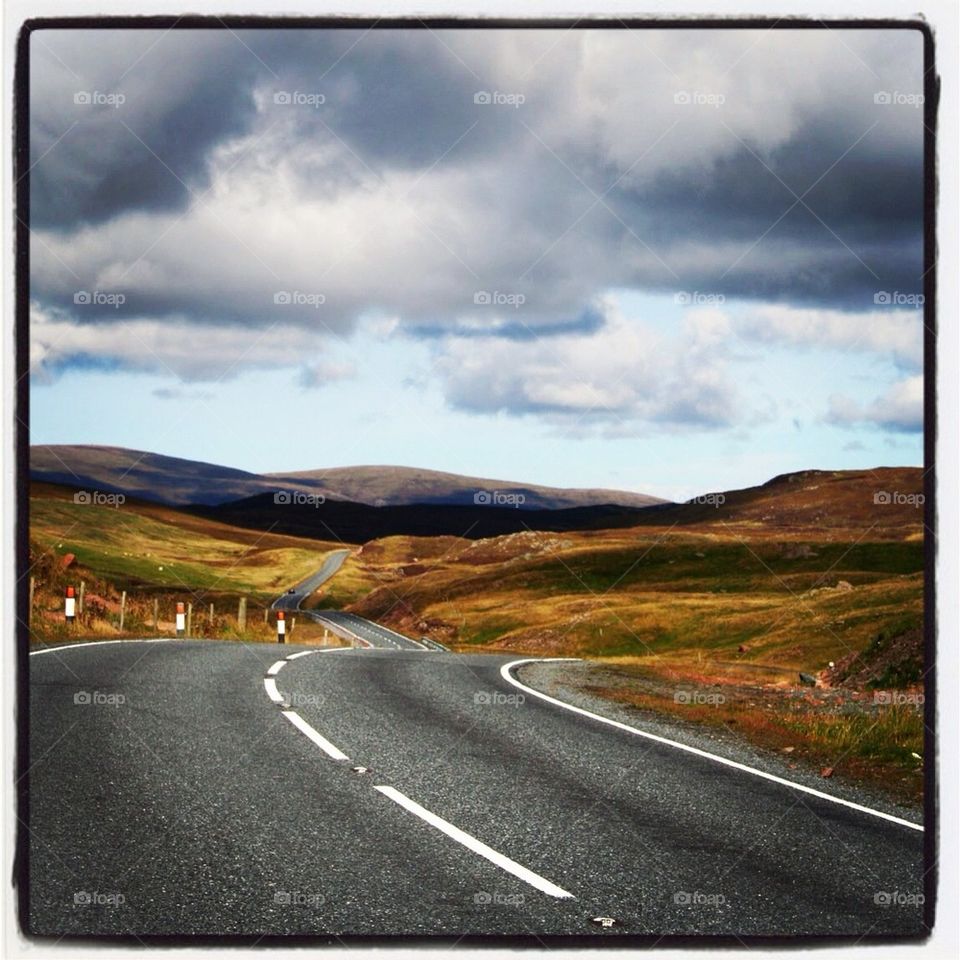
(205, 787)
(366, 633)
(292, 599)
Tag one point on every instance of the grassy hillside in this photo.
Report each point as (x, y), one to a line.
(151, 552)
(143, 544)
(792, 605)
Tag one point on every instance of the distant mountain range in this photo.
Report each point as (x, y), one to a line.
(887, 501)
(178, 482)
(358, 504)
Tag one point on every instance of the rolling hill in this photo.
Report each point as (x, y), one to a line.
(175, 481)
(829, 502)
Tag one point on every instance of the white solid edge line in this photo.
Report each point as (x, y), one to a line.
(275, 668)
(270, 685)
(100, 643)
(505, 673)
(477, 846)
(321, 619)
(321, 741)
(306, 653)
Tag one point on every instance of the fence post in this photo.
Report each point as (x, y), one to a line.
(266, 614)
(83, 590)
(189, 619)
(242, 615)
(156, 615)
(33, 586)
(210, 620)
(123, 608)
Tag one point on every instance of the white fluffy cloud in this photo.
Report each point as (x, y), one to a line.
(899, 409)
(897, 334)
(624, 374)
(177, 348)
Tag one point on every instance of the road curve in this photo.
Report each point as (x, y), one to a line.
(366, 633)
(226, 788)
(292, 599)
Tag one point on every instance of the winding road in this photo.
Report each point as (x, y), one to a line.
(391, 788)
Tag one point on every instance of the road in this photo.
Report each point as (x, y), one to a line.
(205, 787)
(366, 633)
(294, 597)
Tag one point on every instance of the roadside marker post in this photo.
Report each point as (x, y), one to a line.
(181, 619)
(281, 627)
(70, 605)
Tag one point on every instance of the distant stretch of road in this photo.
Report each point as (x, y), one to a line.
(367, 633)
(293, 598)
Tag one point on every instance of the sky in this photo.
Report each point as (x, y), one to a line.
(664, 261)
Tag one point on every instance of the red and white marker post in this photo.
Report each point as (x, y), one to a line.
(181, 620)
(70, 605)
(281, 627)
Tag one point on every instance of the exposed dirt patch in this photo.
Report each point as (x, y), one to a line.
(888, 662)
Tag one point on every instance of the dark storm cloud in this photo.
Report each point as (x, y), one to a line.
(308, 179)
(139, 117)
(122, 121)
(812, 223)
